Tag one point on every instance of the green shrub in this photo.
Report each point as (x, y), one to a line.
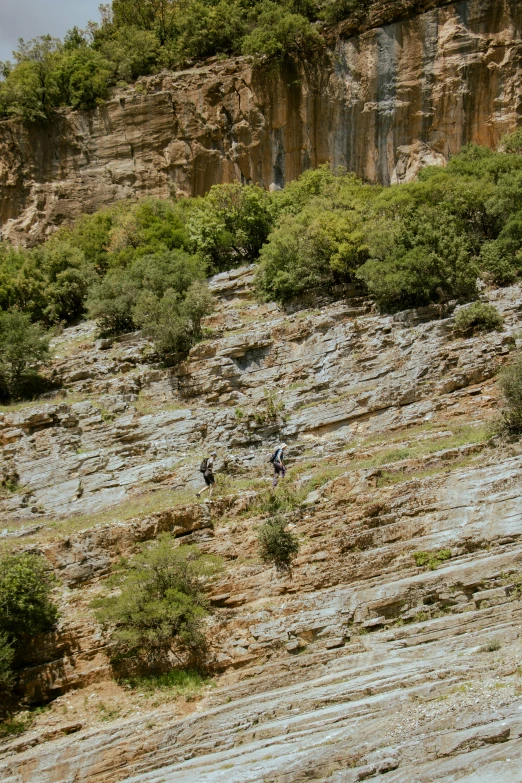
(277, 545)
(173, 322)
(478, 317)
(337, 10)
(26, 610)
(31, 88)
(164, 294)
(314, 250)
(7, 678)
(418, 259)
(204, 29)
(280, 35)
(161, 606)
(23, 347)
(26, 604)
(229, 226)
(511, 386)
(431, 559)
(285, 498)
(131, 52)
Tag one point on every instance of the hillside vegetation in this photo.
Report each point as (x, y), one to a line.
(144, 265)
(139, 37)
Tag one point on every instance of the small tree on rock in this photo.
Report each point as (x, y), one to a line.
(511, 385)
(26, 610)
(277, 545)
(23, 347)
(161, 606)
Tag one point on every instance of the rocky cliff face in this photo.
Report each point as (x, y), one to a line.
(388, 100)
(359, 662)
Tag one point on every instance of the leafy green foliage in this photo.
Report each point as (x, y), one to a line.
(173, 322)
(277, 545)
(410, 245)
(23, 346)
(511, 385)
(229, 226)
(26, 605)
(431, 559)
(48, 74)
(164, 294)
(320, 238)
(7, 678)
(478, 317)
(282, 35)
(422, 259)
(26, 608)
(161, 606)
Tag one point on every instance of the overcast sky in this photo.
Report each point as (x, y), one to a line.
(29, 18)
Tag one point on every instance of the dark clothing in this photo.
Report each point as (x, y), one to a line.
(209, 478)
(279, 469)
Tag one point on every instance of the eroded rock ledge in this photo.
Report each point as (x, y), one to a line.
(357, 664)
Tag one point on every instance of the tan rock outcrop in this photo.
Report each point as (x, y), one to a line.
(360, 661)
(386, 101)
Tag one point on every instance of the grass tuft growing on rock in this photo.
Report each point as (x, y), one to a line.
(431, 559)
(491, 646)
(188, 682)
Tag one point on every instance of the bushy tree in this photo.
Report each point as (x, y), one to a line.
(511, 386)
(280, 35)
(68, 278)
(148, 227)
(478, 317)
(26, 604)
(23, 347)
(26, 609)
(83, 76)
(277, 545)
(335, 11)
(229, 226)
(173, 321)
(419, 259)
(30, 88)
(132, 52)
(132, 295)
(314, 250)
(158, 16)
(161, 605)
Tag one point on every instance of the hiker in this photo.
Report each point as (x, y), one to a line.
(277, 461)
(206, 468)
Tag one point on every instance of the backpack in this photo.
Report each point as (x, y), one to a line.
(274, 456)
(203, 466)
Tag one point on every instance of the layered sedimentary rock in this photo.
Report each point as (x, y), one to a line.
(384, 102)
(361, 661)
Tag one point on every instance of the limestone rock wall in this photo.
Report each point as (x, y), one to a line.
(386, 101)
(360, 661)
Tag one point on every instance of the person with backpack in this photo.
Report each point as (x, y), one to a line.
(277, 461)
(206, 468)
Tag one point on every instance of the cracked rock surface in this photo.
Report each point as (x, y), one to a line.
(366, 659)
